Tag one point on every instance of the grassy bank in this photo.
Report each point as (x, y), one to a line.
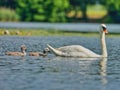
(41, 32)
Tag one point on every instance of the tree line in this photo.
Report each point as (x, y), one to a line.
(56, 10)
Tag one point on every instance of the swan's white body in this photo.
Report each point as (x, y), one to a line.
(80, 51)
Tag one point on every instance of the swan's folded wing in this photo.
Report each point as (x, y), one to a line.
(78, 50)
(73, 50)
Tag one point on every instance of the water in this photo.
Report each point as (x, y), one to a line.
(57, 73)
(80, 27)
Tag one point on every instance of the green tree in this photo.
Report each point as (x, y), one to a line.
(8, 3)
(113, 8)
(43, 10)
(83, 5)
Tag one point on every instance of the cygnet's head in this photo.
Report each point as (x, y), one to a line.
(46, 50)
(23, 48)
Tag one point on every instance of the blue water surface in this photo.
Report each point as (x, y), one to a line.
(58, 73)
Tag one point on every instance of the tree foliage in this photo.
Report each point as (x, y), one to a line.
(83, 5)
(8, 3)
(43, 10)
(57, 10)
(113, 8)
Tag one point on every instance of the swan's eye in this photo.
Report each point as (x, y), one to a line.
(104, 28)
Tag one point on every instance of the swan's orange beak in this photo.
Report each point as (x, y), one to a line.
(105, 31)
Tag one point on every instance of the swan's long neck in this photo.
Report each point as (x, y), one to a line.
(103, 45)
(55, 51)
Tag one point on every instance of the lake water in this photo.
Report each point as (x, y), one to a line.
(57, 73)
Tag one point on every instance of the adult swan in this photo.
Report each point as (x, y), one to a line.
(80, 51)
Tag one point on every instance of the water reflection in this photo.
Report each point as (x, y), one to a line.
(60, 73)
(74, 58)
(86, 66)
(103, 70)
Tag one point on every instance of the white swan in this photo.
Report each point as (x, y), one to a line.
(80, 51)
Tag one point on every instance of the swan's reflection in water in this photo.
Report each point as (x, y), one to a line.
(103, 72)
(89, 70)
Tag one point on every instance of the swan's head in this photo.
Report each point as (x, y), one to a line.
(23, 48)
(103, 28)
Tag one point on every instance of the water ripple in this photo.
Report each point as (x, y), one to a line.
(58, 73)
